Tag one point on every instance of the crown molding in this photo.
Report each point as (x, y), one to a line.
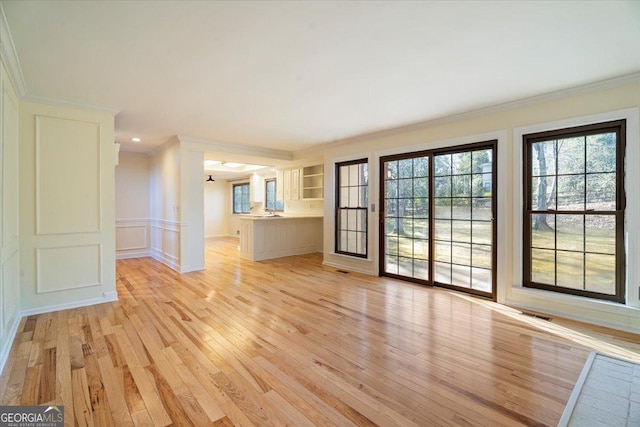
(597, 86)
(9, 55)
(71, 104)
(239, 148)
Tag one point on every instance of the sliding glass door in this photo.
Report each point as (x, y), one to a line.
(438, 217)
(406, 217)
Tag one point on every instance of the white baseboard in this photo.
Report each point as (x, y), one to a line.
(345, 268)
(128, 255)
(159, 256)
(107, 297)
(5, 348)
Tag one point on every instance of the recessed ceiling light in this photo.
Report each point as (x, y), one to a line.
(136, 139)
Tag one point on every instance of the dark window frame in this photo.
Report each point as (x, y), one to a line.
(242, 202)
(432, 153)
(362, 209)
(276, 207)
(619, 128)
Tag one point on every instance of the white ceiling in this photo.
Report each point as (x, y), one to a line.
(287, 75)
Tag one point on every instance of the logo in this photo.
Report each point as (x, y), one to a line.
(31, 416)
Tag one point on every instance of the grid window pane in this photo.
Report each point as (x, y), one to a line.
(543, 266)
(461, 208)
(463, 213)
(442, 208)
(481, 256)
(461, 231)
(481, 208)
(460, 196)
(573, 208)
(601, 273)
(600, 234)
(570, 232)
(570, 193)
(571, 157)
(601, 152)
(601, 191)
(443, 272)
(569, 268)
(241, 202)
(351, 207)
(481, 232)
(460, 276)
(481, 279)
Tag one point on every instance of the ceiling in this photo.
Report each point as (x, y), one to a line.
(289, 75)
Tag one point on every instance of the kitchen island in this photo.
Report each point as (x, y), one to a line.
(265, 237)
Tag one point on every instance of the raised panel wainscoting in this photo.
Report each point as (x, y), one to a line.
(133, 238)
(165, 242)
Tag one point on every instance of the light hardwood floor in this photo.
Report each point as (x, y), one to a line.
(291, 342)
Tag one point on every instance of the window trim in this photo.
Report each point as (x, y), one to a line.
(337, 210)
(233, 197)
(528, 139)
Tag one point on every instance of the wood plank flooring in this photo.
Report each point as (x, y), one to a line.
(291, 342)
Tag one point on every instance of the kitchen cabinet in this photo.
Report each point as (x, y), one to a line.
(290, 182)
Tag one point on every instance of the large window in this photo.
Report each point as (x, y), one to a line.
(574, 211)
(439, 215)
(271, 196)
(241, 203)
(351, 208)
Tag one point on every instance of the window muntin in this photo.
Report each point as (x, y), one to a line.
(463, 219)
(574, 211)
(271, 196)
(438, 208)
(241, 200)
(352, 182)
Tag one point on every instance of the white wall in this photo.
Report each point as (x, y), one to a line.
(216, 202)
(67, 207)
(177, 206)
(9, 236)
(500, 124)
(164, 204)
(192, 210)
(133, 228)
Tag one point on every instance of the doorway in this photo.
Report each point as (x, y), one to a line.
(438, 217)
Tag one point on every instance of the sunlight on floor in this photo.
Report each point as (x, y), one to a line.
(591, 341)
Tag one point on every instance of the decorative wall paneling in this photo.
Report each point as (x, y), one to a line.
(165, 242)
(67, 207)
(9, 214)
(133, 238)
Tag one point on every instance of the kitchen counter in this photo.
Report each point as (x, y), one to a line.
(266, 237)
(278, 217)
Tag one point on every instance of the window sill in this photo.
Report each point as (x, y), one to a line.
(550, 297)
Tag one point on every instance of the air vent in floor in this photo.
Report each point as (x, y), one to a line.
(537, 316)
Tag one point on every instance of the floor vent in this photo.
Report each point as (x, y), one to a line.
(537, 316)
(343, 271)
